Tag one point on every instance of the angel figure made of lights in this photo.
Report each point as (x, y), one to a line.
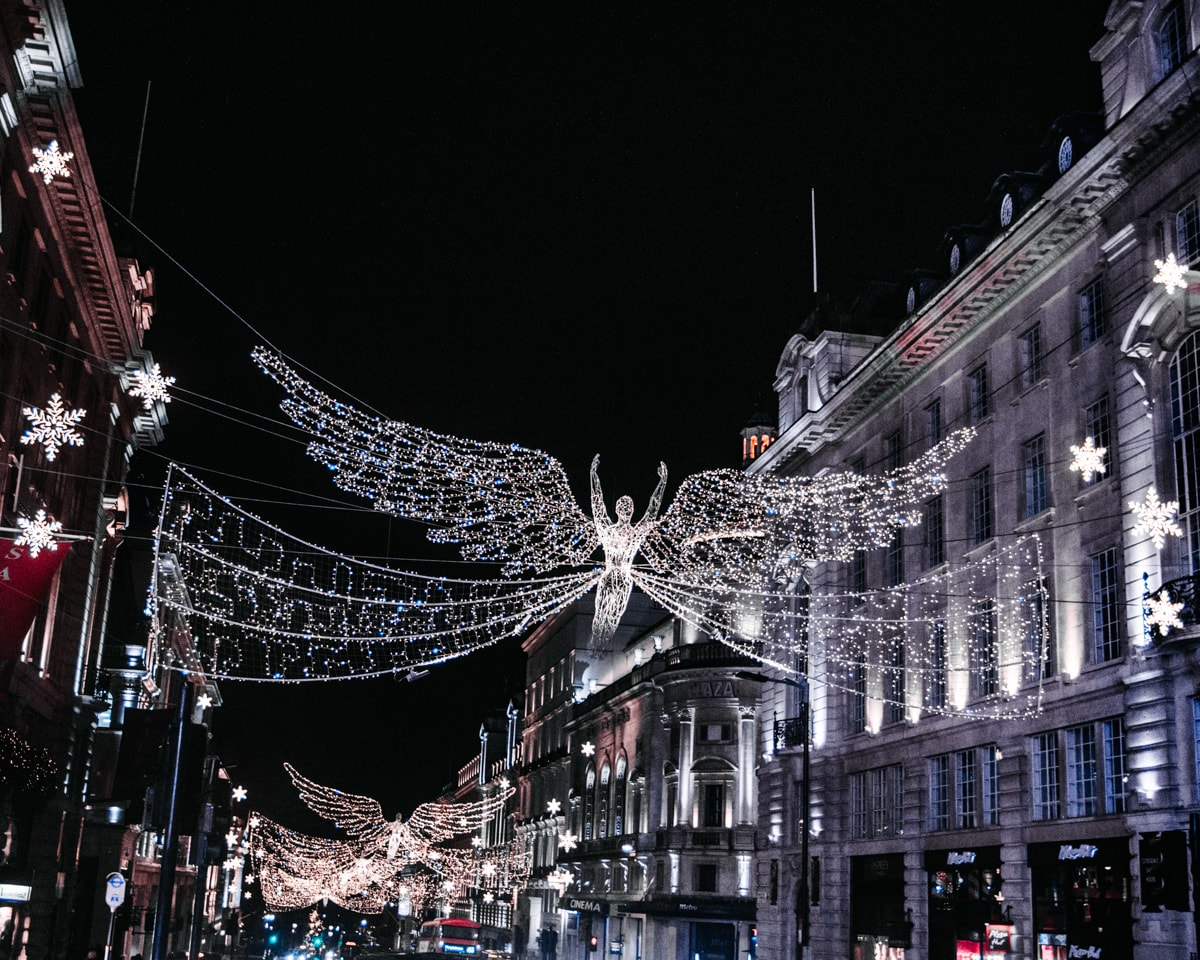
(402, 841)
(724, 533)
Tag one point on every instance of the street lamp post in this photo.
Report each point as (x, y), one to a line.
(802, 895)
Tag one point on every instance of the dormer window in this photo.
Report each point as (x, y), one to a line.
(1169, 40)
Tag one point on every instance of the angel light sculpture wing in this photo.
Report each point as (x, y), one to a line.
(362, 817)
(725, 531)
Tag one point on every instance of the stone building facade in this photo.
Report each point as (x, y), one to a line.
(1068, 829)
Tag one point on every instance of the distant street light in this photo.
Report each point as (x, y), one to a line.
(802, 898)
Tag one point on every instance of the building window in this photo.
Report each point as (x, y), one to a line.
(964, 789)
(893, 683)
(716, 732)
(982, 519)
(876, 802)
(991, 785)
(939, 793)
(1033, 465)
(858, 696)
(895, 558)
(977, 394)
(602, 798)
(1098, 426)
(1196, 738)
(620, 797)
(589, 804)
(1092, 321)
(706, 878)
(712, 797)
(1114, 765)
(1169, 41)
(1106, 607)
(935, 544)
(1045, 777)
(985, 654)
(936, 693)
(1185, 432)
(1081, 771)
(893, 451)
(858, 571)
(1039, 645)
(1187, 234)
(933, 422)
(1029, 347)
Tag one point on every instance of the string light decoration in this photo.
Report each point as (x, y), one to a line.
(1170, 274)
(361, 818)
(507, 503)
(264, 605)
(1088, 459)
(1162, 613)
(967, 641)
(1156, 518)
(51, 162)
(151, 385)
(53, 427)
(38, 534)
(25, 768)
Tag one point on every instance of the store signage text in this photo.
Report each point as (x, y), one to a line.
(958, 857)
(1085, 851)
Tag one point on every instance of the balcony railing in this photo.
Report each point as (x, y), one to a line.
(1185, 590)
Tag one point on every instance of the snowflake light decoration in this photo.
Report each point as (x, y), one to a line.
(553, 806)
(204, 701)
(1170, 274)
(1088, 459)
(588, 749)
(239, 793)
(51, 162)
(477, 841)
(1162, 613)
(151, 385)
(38, 533)
(567, 841)
(488, 897)
(53, 427)
(1156, 518)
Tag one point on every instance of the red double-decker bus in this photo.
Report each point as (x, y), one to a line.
(449, 936)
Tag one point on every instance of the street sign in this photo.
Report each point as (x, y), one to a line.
(114, 891)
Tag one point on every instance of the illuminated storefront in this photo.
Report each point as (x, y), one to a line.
(966, 904)
(1081, 899)
(880, 925)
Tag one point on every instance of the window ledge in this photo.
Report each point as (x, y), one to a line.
(1043, 519)
(982, 550)
(1092, 490)
(1043, 383)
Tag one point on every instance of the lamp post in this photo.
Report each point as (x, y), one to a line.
(802, 896)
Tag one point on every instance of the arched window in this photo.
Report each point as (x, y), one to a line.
(715, 779)
(602, 799)
(1185, 433)
(589, 804)
(619, 798)
(1170, 39)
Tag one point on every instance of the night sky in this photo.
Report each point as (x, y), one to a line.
(580, 228)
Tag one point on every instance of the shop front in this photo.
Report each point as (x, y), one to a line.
(1081, 899)
(880, 924)
(966, 905)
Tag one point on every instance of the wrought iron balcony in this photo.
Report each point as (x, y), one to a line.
(1185, 590)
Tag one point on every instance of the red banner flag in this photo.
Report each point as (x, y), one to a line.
(24, 581)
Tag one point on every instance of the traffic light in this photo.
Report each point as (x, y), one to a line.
(593, 943)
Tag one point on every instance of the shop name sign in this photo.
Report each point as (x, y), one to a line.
(1092, 952)
(959, 857)
(586, 906)
(1085, 851)
(712, 688)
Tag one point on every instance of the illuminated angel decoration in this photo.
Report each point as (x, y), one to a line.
(724, 531)
(400, 840)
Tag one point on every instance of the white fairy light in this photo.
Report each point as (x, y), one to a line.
(1088, 459)
(1162, 613)
(1170, 274)
(1156, 518)
(151, 385)
(51, 162)
(507, 503)
(38, 534)
(53, 427)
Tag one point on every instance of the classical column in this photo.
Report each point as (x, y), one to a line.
(687, 745)
(746, 801)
